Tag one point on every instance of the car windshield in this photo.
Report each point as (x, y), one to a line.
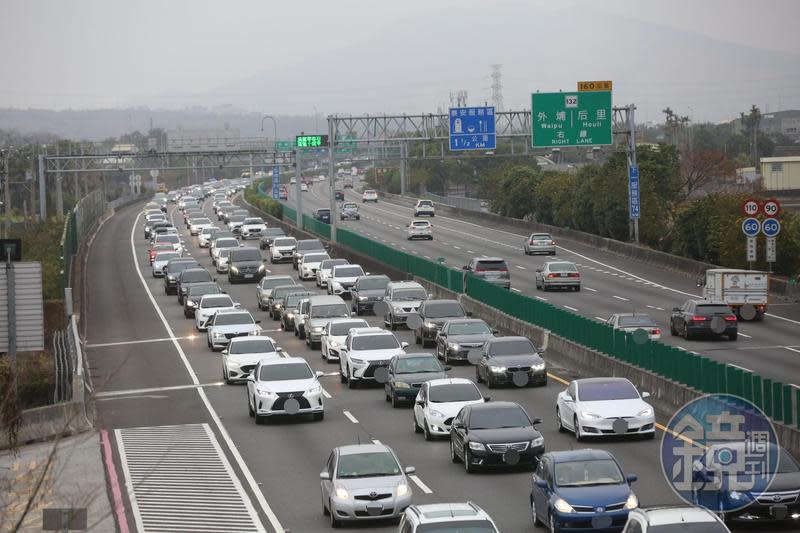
(201, 221)
(200, 290)
(350, 206)
(340, 329)
(588, 472)
(369, 283)
(412, 365)
(236, 218)
(348, 271)
(541, 237)
(246, 254)
(515, 347)
(179, 266)
(330, 263)
(285, 372)
(281, 291)
(286, 242)
(213, 303)
(293, 299)
(498, 417)
(329, 311)
(491, 265)
(274, 232)
(227, 243)
(251, 346)
(369, 191)
(375, 342)
(207, 231)
(253, 221)
(172, 239)
(425, 203)
(269, 283)
(598, 391)
(315, 258)
(454, 392)
(166, 256)
(562, 267)
(684, 527)
(224, 252)
(409, 294)
(324, 212)
(635, 320)
(230, 319)
(420, 223)
(305, 246)
(461, 526)
(375, 464)
(468, 328)
(193, 276)
(443, 309)
(711, 310)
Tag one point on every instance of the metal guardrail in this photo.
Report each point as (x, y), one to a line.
(68, 360)
(461, 202)
(78, 224)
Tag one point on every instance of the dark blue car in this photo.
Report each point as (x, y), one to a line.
(581, 490)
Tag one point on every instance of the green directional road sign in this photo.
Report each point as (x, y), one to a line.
(284, 146)
(346, 146)
(571, 119)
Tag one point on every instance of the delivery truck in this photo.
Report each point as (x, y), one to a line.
(745, 291)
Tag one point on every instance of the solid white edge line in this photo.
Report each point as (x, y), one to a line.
(420, 484)
(741, 367)
(350, 416)
(589, 289)
(571, 308)
(228, 441)
(516, 290)
(792, 349)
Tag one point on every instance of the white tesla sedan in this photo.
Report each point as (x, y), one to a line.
(334, 334)
(595, 407)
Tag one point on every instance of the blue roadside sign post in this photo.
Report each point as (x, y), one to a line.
(276, 182)
(634, 203)
(472, 128)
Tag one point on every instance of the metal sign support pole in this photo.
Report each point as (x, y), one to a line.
(298, 174)
(332, 177)
(251, 168)
(12, 321)
(403, 176)
(43, 190)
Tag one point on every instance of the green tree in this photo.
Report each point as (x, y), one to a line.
(515, 194)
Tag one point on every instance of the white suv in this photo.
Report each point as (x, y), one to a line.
(369, 196)
(439, 401)
(424, 208)
(308, 265)
(252, 227)
(243, 354)
(342, 279)
(364, 351)
(680, 517)
(446, 517)
(419, 229)
(284, 386)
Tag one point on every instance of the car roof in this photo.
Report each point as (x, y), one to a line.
(449, 512)
(342, 320)
(488, 259)
(405, 285)
(325, 299)
(563, 456)
(373, 276)
(449, 381)
(352, 449)
(349, 265)
(659, 516)
(442, 301)
(282, 360)
(495, 405)
(602, 380)
(510, 338)
(372, 330)
(414, 355)
(465, 321)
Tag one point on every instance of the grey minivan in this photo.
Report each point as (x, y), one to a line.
(491, 269)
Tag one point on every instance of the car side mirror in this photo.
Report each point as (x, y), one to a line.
(542, 484)
(458, 425)
(420, 402)
(469, 313)
(540, 351)
(631, 478)
(324, 476)
(495, 332)
(465, 267)
(410, 470)
(404, 345)
(645, 394)
(447, 368)
(237, 305)
(536, 420)
(224, 352)
(676, 310)
(279, 349)
(251, 377)
(258, 321)
(319, 373)
(487, 398)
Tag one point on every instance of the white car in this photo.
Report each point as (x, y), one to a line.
(198, 224)
(447, 517)
(419, 229)
(308, 265)
(369, 195)
(336, 331)
(225, 242)
(282, 249)
(235, 223)
(324, 270)
(303, 187)
(223, 258)
(275, 382)
(364, 351)
(225, 325)
(632, 322)
(439, 401)
(253, 227)
(424, 208)
(243, 354)
(674, 518)
(343, 277)
(161, 260)
(604, 406)
(172, 239)
(204, 237)
(208, 305)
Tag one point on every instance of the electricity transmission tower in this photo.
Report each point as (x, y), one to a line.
(497, 87)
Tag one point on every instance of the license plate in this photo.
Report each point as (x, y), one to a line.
(564, 275)
(248, 276)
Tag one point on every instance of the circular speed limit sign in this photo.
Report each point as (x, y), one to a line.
(751, 227)
(772, 207)
(771, 227)
(751, 207)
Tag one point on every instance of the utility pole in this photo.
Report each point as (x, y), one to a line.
(298, 175)
(403, 176)
(6, 195)
(59, 191)
(42, 190)
(632, 161)
(332, 177)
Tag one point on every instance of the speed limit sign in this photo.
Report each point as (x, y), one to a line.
(772, 207)
(751, 207)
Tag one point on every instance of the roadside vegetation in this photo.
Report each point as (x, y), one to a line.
(268, 205)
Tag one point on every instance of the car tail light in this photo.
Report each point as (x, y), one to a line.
(761, 307)
(553, 243)
(698, 318)
(574, 275)
(655, 331)
(730, 318)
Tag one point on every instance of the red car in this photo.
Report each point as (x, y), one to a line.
(155, 248)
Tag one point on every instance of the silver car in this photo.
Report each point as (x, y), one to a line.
(632, 322)
(402, 299)
(161, 260)
(558, 275)
(363, 482)
(540, 243)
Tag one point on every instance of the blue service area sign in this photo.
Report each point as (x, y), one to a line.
(472, 128)
(751, 226)
(633, 191)
(276, 182)
(771, 227)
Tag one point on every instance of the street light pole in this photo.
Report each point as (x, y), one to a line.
(274, 126)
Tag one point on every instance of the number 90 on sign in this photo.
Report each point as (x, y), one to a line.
(771, 227)
(751, 227)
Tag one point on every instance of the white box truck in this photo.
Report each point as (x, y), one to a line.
(746, 291)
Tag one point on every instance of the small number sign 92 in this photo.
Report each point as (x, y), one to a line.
(771, 227)
(751, 227)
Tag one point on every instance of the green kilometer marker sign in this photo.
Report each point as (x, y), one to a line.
(571, 119)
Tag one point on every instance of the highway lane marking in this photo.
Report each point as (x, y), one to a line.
(655, 307)
(456, 247)
(470, 252)
(542, 298)
(376, 441)
(515, 290)
(426, 256)
(792, 349)
(620, 298)
(590, 289)
(601, 319)
(143, 341)
(420, 484)
(745, 335)
(521, 267)
(741, 367)
(251, 482)
(571, 308)
(128, 392)
(350, 417)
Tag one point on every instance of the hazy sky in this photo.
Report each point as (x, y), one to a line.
(352, 56)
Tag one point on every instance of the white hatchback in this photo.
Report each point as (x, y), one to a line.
(420, 229)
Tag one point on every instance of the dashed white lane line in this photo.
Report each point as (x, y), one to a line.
(590, 289)
(376, 441)
(350, 417)
(792, 349)
(655, 307)
(570, 308)
(418, 482)
(745, 335)
(515, 290)
(620, 298)
(326, 393)
(521, 267)
(446, 243)
(426, 256)
(601, 319)
(470, 252)
(542, 298)
(456, 247)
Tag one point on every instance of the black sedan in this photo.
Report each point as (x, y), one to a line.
(495, 434)
(406, 374)
(511, 361)
(703, 318)
(434, 313)
(459, 336)
(268, 235)
(196, 292)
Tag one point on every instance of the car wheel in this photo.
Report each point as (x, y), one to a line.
(417, 429)
(453, 455)
(335, 522)
(534, 516)
(577, 288)
(426, 430)
(733, 336)
(559, 425)
(319, 416)
(342, 377)
(226, 378)
(250, 409)
(446, 357)
(301, 333)
(392, 325)
(578, 433)
(489, 381)
(468, 467)
(686, 334)
(258, 418)
(417, 339)
(351, 383)
(478, 377)
(395, 401)
(386, 396)
(357, 309)
(672, 330)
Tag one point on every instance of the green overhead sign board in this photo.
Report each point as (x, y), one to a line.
(559, 120)
(284, 146)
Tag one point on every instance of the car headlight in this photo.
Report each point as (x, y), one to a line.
(315, 389)
(234, 269)
(171, 277)
(334, 344)
(362, 298)
(290, 315)
(497, 369)
(734, 495)
(262, 268)
(587, 414)
(562, 506)
(341, 493)
(397, 309)
(453, 346)
(632, 502)
(278, 306)
(538, 367)
(538, 441)
(189, 303)
(356, 361)
(317, 329)
(402, 489)
(435, 413)
(430, 325)
(218, 335)
(264, 392)
(477, 446)
(402, 385)
(645, 412)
